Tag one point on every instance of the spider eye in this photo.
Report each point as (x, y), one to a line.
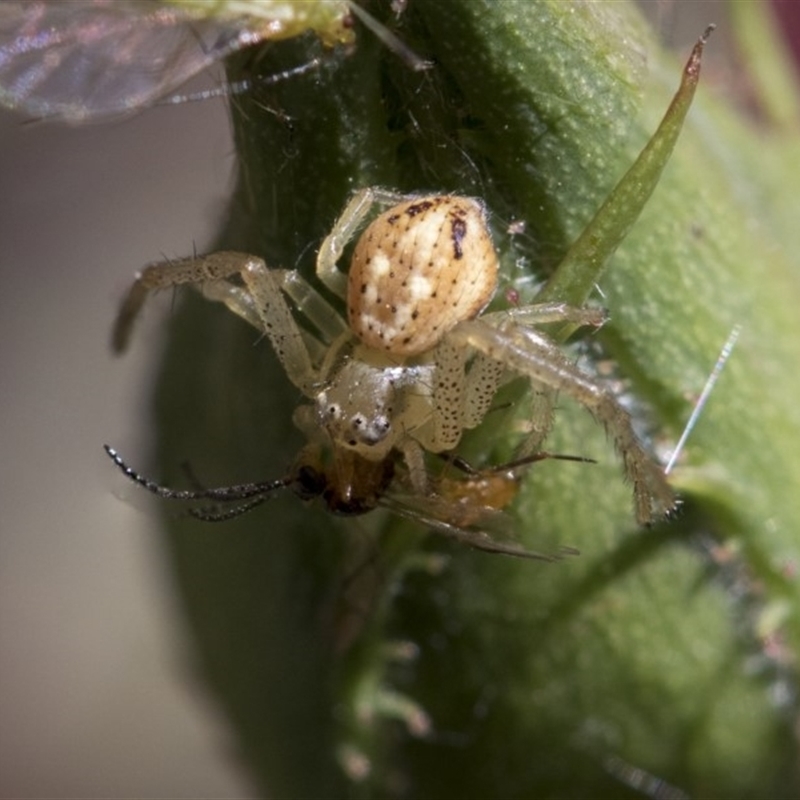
(372, 431)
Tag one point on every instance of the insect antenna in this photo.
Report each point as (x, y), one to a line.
(233, 88)
(541, 456)
(216, 514)
(462, 464)
(222, 494)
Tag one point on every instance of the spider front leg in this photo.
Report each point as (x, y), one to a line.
(543, 313)
(529, 353)
(260, 302)
(461, 395)
(201, 272)
(543, 400)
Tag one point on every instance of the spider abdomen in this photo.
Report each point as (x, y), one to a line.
(418, 270)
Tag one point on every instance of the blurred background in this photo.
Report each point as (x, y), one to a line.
(98, 697)
(97, 694)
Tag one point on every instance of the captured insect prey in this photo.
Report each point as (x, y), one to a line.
(416, 363)
(88, 60)
(467, 509)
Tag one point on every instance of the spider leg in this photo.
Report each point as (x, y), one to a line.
(529, 353)
(278, 324)
(313, 306)
(542, 313)
(543, 398)
(345, 228)
(460, 395)
(207, 273)
(483, 380)
(260, 302)
(449, 386)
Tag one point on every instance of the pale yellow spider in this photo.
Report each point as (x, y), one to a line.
(416, 363)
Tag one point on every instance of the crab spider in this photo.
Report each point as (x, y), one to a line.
(418, 360)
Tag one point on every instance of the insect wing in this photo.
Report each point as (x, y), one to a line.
(83, 61)
(486, 528)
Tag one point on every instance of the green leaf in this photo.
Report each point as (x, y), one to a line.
(360, 656)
